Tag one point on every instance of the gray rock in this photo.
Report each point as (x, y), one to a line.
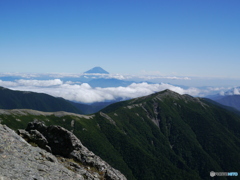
(69, 158)
(64, 143)
(21, 161)
(34, 136)
(61, 141)
(24, 134)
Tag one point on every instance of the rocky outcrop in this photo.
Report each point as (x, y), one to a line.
(63, 143)
(20, 160)
(34, 136)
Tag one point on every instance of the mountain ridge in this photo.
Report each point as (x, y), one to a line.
(164, 135)
(14, 99)
(229, 98)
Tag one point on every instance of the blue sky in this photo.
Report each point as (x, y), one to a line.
(167, 37)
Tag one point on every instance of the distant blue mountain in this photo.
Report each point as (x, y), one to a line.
(229, 98)
(103, 83)
(98, 70)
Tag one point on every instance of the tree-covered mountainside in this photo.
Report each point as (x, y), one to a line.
(10, 99)
(161, 136)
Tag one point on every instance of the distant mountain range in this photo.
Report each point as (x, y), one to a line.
(161, 136)
(229, 98)
(98, 77)
(97, 70)
(93, 107)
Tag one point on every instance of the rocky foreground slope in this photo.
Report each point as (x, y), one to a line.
(20, 160)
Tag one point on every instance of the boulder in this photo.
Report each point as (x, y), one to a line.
(35, 137)
(64, 143)
(20, 160)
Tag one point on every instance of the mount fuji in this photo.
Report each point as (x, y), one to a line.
(97, 70)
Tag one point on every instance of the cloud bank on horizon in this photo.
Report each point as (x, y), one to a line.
(86, 94)
(99, 75)
(233, 91)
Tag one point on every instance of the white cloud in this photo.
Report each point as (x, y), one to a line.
(71, 82)
(85, 93)
(22, 75)
(233, 91)
(163, 77)
(116, 76)
(222, 93)
(236, 91)
(8, 83)
(217, 88)
(63, 75)
(42, 83)
(146, 76)
(105, 76)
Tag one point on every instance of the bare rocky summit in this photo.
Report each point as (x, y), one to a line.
(61, 156)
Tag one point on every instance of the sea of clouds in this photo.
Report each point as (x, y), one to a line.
(83, 92)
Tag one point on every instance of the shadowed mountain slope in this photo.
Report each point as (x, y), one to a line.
(11, 99)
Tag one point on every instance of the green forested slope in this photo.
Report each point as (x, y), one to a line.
(161, 136)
